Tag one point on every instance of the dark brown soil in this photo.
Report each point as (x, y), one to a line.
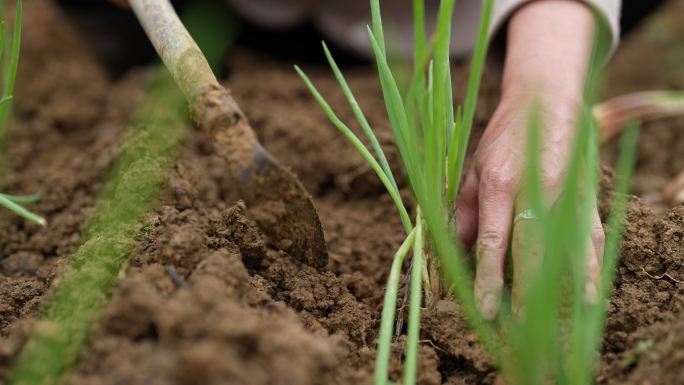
(64, 135)
(206, 300)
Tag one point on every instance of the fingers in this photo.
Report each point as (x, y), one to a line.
(466, 210)
(527, 249)
(594, 260)
(527, 252)
(527, 245)
(495, 209)
(598, 237)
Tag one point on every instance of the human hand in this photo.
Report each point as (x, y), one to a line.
(549, 45)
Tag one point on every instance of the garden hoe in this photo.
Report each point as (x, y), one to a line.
(274, 196)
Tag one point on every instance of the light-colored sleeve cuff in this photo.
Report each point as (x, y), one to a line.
(607, 12)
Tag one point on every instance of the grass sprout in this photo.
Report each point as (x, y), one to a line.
(432, 135)
(13, 203)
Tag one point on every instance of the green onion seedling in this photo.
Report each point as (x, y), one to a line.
(432, 136)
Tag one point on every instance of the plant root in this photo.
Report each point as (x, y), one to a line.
(662, 276)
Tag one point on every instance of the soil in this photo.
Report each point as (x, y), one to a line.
(206, 299)
(657, 48)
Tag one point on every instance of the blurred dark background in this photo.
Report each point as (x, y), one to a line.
(119, 42)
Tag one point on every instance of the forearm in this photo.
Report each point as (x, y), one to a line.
(548, 50)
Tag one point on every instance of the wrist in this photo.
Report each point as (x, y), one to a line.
(549, 48)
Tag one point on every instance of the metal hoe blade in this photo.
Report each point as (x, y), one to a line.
(274, 197)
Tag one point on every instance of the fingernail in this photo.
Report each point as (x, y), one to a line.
(489, 306)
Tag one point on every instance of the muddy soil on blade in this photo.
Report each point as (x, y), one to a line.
(207, 299)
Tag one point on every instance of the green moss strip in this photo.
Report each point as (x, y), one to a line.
(83, 286)
(134, 185)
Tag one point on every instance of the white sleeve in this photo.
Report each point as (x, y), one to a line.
(608, 12)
